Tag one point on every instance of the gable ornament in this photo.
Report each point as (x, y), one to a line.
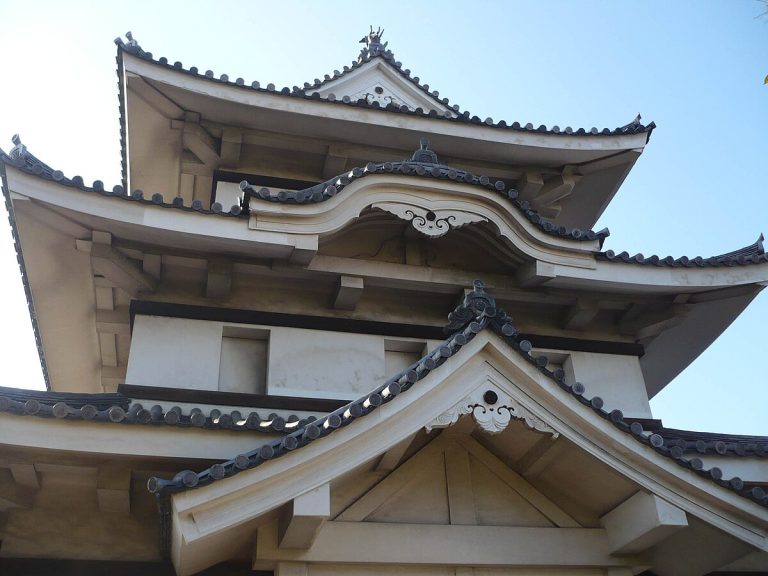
(492, 409)
(432, 223)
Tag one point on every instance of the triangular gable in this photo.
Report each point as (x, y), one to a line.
(454, 480)
(377, 80)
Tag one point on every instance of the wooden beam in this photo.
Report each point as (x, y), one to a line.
(520, 485)
(348, 293)
(581, 313)
(25, 475)
(231, 145)
(641, 322)
(14, 495)
(335, 161)
(641, 522)
(461, 499)
(535, 274)
(154, 97)
(200, 143)
(117, 321)
(108, 348)
(555, 189)
(528, 185)
(219, 279)
(391, 458)
(113, 490)
(303, 517)
(420, 544)
(122, 272)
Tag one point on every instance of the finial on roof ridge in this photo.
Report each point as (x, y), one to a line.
(19, 150)
(424, 155)
(373, 44)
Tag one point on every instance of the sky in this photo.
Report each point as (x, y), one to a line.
(695, 68)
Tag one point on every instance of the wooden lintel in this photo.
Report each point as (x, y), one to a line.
(219, 280)
(581, 313)
(113, 490)
(528, 185)
(200, 143)
(118, 269)
(303, 517)
(641, 522)
(348, 293)
(366, 543)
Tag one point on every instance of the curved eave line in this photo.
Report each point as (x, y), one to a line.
(329, 189)
(465, 118)
(23, 271)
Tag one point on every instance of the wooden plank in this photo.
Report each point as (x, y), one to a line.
(519, 484)
(461, 499)
(420, 544)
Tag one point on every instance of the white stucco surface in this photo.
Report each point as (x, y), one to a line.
(618, 380)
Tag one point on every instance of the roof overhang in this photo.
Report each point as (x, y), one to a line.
(602, 160)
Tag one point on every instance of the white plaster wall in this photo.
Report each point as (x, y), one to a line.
(174, 352)
(618, 380)
(193, 354)
(324, 364)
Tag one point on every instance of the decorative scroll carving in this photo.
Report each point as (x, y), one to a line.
(432, 223)
(492, 409)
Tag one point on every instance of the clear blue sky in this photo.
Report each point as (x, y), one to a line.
(696, 68)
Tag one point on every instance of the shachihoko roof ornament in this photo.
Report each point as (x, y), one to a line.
(373, 45)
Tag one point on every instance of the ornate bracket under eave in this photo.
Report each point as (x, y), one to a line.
(432, 223)
(492, 409)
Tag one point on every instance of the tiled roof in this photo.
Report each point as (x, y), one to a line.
(752, 254)
(132, 47)
(21, 158)
(477, 313)
(117, 408)
(715, 444)
(424, 163)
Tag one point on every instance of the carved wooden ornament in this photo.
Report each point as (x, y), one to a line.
(492, 409)
(432, 223)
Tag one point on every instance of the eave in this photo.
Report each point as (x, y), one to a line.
(602, 158)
